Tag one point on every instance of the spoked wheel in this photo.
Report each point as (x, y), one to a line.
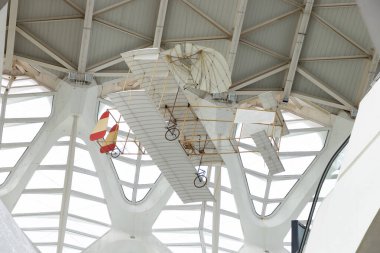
(172, 134)
(200, 181)
(115, 153)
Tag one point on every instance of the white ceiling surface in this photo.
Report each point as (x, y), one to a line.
(333, 68)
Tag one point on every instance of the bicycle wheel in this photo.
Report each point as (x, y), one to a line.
(200, 181)
(115, 153)
(172, 134)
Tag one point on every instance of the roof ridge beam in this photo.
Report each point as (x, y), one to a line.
(298, 40)
(239, 19)
(11, 35)
(110, 7)
(160, 23)
(86, 35)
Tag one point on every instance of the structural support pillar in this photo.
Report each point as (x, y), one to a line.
(216, 210)
(3, 29)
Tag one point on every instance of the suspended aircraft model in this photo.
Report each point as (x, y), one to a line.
(109, 144)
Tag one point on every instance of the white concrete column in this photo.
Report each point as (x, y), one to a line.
(3, 29)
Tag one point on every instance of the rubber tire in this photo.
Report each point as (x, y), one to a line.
(198, 183)
(172, 134)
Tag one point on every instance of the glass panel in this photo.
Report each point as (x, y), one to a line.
(178, 219)
(83, 159)
(270, 208)
(20, 132)
(256, 185)
(230, 226)
(3, 177)
(42, 236)
(141, 193)
(47, 249)
(149, 174)
(230, 244)
(57, 155)
(186, 249)
(46, 179)
(227, 202)
(87, 184)
(24, 81)
(302, 124)
(207, 222)
(23, 90)
(178, 237)
(258, 206)
(31, 107)
(125, 171)
(296, 165)
(70, 250)
(78, 240)
(36, 203)
(225, 180)
(303, 142)
(279, 189)
(12, 155)
(254, 161)
(128, 192)
(89, 209)
(86, 227)
(45, 221)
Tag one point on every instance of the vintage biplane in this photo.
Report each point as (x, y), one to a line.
(110, 144)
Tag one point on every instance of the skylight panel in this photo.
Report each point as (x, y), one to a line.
(43, 236)
(26, 90)
(302, 124)
(83, 159)
(24, 81)
(12, 155)
(228, 202)
(28, 107)
(257, 186)
(89, 209)
(38, 203)
(178, 237)
(70, 250)
(296, 165)
(178, 219)
(37, 221)
(128, 192)
(185, 249)
(279, 189)
(258, 206)
(230, 226)
(46, 179)
(230, 244)
(3, 177)
(87, 184)
(225, 180)
(86, 227)
(57, 155)
(149, 174)
(125, 171)
(141, 193)
(47, 249)
(254, 161)
(303, 142)
(78, 240)
(15, 133)
(270, 208)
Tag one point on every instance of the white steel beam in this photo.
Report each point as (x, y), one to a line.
(259, 76)
(216, 210)
(334, 58)
(239, 19)
(49, 19)
(325, 88)
(67, 186)
(299, 39)
(11, 34)
(44, 48)
(3, 31)
(160, 23)
(263, 49)
(320, 101)
(111, 7)
(86, 35)
(270, 21)
(41, 64)
(74, 6)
